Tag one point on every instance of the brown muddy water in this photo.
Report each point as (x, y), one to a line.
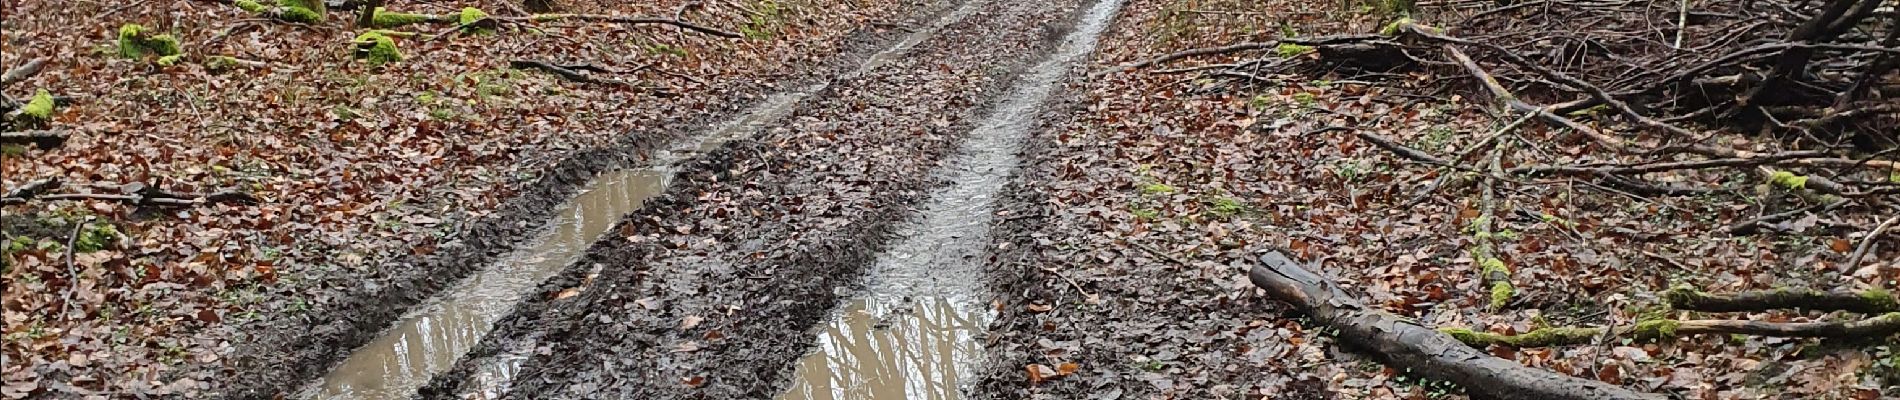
(915, 330)
(430, 339)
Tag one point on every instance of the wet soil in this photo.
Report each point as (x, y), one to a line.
(285, 354)
(710, 291)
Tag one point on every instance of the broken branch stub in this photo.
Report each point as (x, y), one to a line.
(1421, 350)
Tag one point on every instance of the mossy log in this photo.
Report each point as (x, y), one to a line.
(1664, 329)
(299, 11)
(1871, 301)
(1404, 344)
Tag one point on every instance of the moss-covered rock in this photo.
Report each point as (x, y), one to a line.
(377, 48)
(1788, 180)
(170, 60)
(250, 5)
(470, 16)
(137, 42)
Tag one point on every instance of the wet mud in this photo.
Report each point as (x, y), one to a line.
(713, 290)
(285, 355)
(939, 259)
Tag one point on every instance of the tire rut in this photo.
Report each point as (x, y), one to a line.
(708, 292)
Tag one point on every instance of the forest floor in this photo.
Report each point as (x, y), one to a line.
(1115, 257)
(376, 181)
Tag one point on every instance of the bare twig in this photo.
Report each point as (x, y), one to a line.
(1868, 243)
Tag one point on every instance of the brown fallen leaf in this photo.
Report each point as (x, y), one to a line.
(566, 293)
(1066, 368)
(1039, 373)
(686, 347)
(694, 381)
(690, 321)
(1040, 308)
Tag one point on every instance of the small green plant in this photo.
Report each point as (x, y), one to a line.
(37, 111)
(1349, 170)
(98, 238)
(1305, 99)
(764, 21)
(1437, 137)
(666, 49)
(1156, 188)
(1226, 207)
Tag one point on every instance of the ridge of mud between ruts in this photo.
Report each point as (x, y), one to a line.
(290, 353)
(710, 291)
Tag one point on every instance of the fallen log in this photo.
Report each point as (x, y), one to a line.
(1404, 344)
(135, 194)
(1873, 301)
(44, 139)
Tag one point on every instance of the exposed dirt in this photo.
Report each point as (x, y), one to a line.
(710, 291)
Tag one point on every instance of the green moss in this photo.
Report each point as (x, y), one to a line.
(387, 19)
(136, 42)
(1501, 293)
(1881, 299)
(1655, 329)
(301, 15)
(38, 109)
(472, 15)
(1290, 50)
(220, 63)
(1680, 295)
(1788, 180)
(251, 6)
(170, 60)
(1157, 188)
(377, 48)
(1541, 337)
(1392, 29)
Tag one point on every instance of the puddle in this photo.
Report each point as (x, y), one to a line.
(430, 339)
(914, 332)
(870, 352)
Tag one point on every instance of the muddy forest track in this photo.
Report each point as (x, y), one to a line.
(710, 290)
(292, 353)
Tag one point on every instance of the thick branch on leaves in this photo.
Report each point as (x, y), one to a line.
(135, 194)
(1866, 302)
(22, 72)
(1405, 344)
(565, 71)
(45, 140)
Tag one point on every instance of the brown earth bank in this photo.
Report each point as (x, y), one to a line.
(710, 292)
(381, 184)
(1121, 272)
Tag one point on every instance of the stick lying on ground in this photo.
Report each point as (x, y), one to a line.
(1880, 326)
(136, 194)
(1422, 350)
